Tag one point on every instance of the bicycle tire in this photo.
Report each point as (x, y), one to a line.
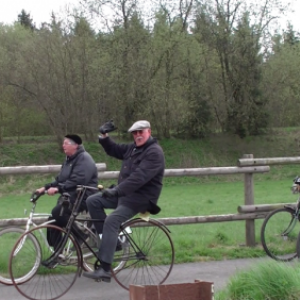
(298, 245)
(54, 275)
(279, 235)
(150, 258)
(8, 238)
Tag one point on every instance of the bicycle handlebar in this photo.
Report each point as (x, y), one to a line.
(36, 195)
(98, 188)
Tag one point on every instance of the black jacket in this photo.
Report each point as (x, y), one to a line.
(77, 169)
(141, 175)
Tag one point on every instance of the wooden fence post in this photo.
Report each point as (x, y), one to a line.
(249, 200)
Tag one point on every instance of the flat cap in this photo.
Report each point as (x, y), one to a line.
(139, 125)
(75, 138)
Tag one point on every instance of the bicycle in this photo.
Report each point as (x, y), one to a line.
(147, 256)
(278, 233)
(9, 235)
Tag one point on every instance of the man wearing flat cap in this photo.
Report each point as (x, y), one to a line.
(78, 168)
(138, 189)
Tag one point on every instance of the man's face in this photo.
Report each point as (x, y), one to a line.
(69, 147)
(141, 136)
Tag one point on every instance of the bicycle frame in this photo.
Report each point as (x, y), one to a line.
(125, 232)
(30, 223)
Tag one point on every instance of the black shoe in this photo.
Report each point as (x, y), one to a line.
(99, 275)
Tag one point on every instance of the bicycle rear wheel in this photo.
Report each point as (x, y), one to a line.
(150, 256)
(55, 272)
(279, 234)
(8, 238)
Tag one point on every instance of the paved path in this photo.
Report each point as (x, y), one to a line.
(217, 272)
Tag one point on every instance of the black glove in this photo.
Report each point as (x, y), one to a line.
(110, 193)
(107, 127)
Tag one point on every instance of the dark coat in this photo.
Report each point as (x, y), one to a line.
(141, 175)
(78, 169)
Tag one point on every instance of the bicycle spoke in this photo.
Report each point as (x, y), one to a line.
(279, 233)
(151, 255)
(55, 272)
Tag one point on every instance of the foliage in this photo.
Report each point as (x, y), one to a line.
(194, 69)
(25, 20)
(266, 280)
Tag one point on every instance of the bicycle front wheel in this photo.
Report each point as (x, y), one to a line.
(298, 245)
(279, 234)
(55, 273)
(8, 238)
(150, 255)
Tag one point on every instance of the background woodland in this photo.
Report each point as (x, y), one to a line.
(190, 68)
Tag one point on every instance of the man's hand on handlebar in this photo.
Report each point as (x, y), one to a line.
(52, 191)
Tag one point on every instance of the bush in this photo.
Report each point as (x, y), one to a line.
(269, 280)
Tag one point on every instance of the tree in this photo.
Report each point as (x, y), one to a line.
(246, 108)
(225, 27)
(25, 20)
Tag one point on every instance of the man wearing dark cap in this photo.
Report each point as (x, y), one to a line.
(78, 168)
(138, 189)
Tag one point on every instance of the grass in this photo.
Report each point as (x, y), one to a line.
(199, 242)
(266, 280)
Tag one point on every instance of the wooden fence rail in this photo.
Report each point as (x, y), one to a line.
(197, 172)
(247, 165)
(23, 170)
(166, 221)
(251, 161)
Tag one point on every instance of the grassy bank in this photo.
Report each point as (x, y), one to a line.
(218, 150)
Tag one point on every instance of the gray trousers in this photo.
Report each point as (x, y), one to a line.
(111, 225)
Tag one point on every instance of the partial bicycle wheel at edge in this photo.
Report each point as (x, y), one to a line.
(279, 233)
(55, 273)
(150, 258)
(8, 238)
(298, 245)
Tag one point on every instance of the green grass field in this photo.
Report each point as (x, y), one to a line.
(199, 242)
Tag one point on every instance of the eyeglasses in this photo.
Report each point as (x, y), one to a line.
(138, 132)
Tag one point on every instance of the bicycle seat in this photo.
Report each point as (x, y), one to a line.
(145, 216)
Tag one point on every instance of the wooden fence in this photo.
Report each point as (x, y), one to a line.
(247, 165)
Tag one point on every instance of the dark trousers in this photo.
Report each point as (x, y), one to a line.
(54, 236)
(111, 224)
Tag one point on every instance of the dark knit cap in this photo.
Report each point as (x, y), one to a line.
(75, 138)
